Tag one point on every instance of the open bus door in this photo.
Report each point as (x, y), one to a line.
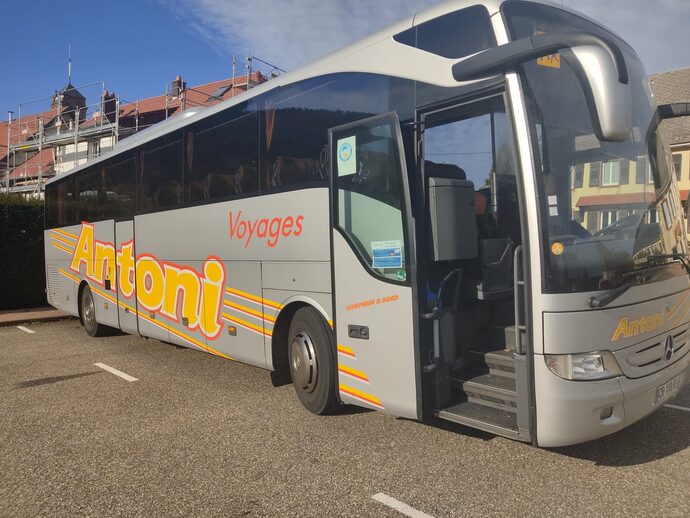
(372, 259)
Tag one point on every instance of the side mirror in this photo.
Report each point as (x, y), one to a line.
(598, 64)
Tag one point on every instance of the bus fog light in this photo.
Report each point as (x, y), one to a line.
(606, 413)
(585, 366)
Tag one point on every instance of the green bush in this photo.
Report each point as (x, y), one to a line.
(22, 271)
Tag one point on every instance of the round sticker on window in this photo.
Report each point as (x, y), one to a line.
(345, 151)
(401, 275)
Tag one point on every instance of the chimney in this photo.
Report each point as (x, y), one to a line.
(177, 86)
(109, 106)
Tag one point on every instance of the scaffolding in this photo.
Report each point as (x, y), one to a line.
(39, 144)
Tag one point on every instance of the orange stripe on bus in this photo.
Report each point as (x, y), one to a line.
(254, 298)
(361, 395)
(70, 276)
(62, 240)
(246, 324)
(347, 351)
(66, 234)
(353, 372)
(63, 248)
(252, 312)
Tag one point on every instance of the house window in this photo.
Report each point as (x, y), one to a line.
(578, 173)
(612, 173)
(608, 217)
(652, 216)
(677, 164)
(643, 174)
(592, 221)
(594, 174)
(667, 214)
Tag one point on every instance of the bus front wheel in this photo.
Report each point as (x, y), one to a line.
(88, 314)
(312, 362)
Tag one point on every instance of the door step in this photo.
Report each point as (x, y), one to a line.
(486, 394)
(498, 363)
(490, 390)
(482, 417)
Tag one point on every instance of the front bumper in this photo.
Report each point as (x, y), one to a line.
(570, 412)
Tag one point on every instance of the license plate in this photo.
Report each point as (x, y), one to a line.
(668, 389)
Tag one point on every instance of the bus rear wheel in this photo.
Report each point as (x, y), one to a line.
(88, 314)
(312, 362)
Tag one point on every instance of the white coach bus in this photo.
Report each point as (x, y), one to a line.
(469, 216)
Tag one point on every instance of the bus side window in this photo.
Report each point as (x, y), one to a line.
(89, 188)
(293, 139)
(120, 189)
(161, 176)
(222, 161)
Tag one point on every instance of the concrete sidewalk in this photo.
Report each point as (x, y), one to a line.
(18, 316)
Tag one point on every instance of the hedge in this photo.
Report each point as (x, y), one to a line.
(22, 271)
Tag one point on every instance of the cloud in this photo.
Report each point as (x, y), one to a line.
(290, 33)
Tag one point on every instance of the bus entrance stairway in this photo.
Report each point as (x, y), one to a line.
(485, 394)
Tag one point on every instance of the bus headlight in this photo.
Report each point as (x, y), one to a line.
(586, 366)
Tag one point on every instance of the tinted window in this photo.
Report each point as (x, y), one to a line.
(120, 189)
(60, 203)
(160, 174)
(677, 164)
(294, 139)
(453, 35)
(222, 158)
(89, 187)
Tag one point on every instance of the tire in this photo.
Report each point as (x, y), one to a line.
(311, 359)
(88, 314)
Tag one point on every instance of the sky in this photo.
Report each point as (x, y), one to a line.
(138, 46)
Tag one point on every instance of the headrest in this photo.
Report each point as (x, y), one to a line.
(435, 170)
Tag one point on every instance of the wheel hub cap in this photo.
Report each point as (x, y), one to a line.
(303, 360)
(89, 311)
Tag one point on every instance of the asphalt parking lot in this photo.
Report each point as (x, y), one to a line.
(196, 435)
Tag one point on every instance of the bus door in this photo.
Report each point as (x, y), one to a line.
(373, 295)
(103, 281)
(126, 286)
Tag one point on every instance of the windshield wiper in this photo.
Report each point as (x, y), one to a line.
(637, 277)
(605, 300)
(683, 258)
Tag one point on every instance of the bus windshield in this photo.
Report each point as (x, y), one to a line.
(607, 209)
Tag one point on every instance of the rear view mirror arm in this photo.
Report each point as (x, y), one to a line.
(498, 59)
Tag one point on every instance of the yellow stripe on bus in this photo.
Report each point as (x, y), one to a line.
(62, 240)
(66, 234)
(60, 247)
(246, 324)
(254, 298)
(70, 276)
(344, 349)
(353, 372)
(252, 312)
(678, 305)
(360, 395)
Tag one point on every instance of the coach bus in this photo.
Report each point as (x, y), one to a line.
(469, 216)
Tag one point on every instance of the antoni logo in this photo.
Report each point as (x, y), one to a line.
(345, 151)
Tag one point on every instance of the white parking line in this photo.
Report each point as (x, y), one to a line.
(26, 329)
(676, 407)
(111, 370)
(399, 506)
